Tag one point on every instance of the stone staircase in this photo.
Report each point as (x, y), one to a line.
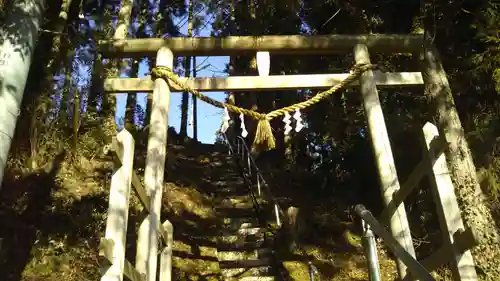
(245, 246)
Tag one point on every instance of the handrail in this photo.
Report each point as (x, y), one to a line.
(412, 264)
(313, 270)
(250, 162)
(250, 165)
(246, 179)
(260, 180)
(370, 245)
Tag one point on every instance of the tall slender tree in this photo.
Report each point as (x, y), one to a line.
(115, 67)
(187, 73)
(19, 33)
(195, 107)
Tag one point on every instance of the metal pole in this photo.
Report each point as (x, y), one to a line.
(277, 213)
(370, 246)
(410, 262)
(312, 270)
(258, 184)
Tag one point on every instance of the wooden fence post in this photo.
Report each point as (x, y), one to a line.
(450, 220)
(119, 197)
(147, 242)
(384, 160)
(166, 254)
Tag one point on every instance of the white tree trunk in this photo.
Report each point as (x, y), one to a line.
(19, 33)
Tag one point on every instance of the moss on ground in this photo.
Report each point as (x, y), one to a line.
(52, 223)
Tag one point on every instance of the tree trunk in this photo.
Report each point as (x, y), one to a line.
(20, 33)
(56, 41)
(475, 209)
(187, 69)
(63, 106)
(195, 107)
(121, 32)
(131, 99)
(76, 119)
(57, 56)
(97, 84)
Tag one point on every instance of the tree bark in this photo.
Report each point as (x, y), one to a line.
(56, 41)
(475, 209)
(131, 99)
(187, 69)
(195, 107)
(63, 106)
(19, 33)
(121, 32)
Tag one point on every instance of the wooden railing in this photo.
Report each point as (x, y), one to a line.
(457, 239)
(114, 265)
(413, 266)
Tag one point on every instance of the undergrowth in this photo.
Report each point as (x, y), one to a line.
(54, 201)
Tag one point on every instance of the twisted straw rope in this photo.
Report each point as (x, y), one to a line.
(263, 136)
(167, 73)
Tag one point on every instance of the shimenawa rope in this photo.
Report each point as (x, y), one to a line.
(264, 138)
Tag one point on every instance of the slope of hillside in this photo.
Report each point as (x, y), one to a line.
(52, 221)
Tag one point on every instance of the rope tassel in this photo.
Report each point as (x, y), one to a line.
(264, 139)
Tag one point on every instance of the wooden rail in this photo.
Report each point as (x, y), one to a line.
(457, 240)
(136, 181)
(275, 44)
(106, 259)
(419, 172)
(262, 83)
(112, 247)
(407, 258)
(448, 211)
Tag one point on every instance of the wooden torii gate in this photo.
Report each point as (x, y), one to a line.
(112, 247)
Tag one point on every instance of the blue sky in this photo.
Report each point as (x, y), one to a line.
(209, 117)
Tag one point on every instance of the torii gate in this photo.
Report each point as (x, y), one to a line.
(112, 248)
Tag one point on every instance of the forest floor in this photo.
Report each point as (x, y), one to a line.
(52, 222)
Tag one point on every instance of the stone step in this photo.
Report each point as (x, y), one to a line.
(235, 212)
(228, 184)
(268, 261)
(237, 225)
(237, 222)
(242, 225)
(236, 256)
(264, 211)
(247, 231)
(234, 274)
(257, 278)
(244, 197)
(242, 231)
(244, 255)
(244, 245)
(237, 188)
(242, 186)
(223, 162)
(241, 238)
(240, 202)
